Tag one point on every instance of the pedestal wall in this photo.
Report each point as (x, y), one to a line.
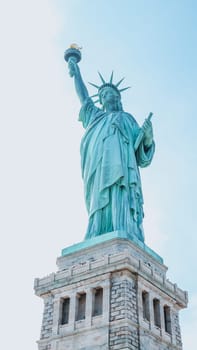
(113, 295)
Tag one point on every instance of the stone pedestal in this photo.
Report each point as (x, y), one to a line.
(123, 292)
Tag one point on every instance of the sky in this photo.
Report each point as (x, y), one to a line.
(153, 45)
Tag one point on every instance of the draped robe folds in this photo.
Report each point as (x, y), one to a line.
(110, 171)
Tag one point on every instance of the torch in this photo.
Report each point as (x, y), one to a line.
(73, 53)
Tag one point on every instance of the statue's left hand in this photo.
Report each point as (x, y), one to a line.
(148, 133)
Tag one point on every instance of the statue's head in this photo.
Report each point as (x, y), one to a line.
(109, 93)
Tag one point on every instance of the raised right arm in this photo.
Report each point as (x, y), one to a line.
(80, 87)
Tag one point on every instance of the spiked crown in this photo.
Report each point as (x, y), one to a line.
(107, 84)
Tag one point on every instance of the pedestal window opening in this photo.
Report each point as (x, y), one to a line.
(65, 311)
(80, 306)
(156, 310)
(97, 302)
(145, 305)
(167, 319)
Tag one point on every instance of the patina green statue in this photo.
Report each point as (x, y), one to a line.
(112, 149)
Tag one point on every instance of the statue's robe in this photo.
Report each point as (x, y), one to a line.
(110, 172)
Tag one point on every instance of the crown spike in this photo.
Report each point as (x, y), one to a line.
(96, 86)
(111, 78)
(128, 87)
(102, 79)
(96, 95)
(119, 82)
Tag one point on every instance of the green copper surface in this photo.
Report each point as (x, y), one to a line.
(107, 237)
(110, 160)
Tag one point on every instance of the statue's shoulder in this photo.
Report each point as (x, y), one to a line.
(89, 105)
(130, 118)
(89, 113)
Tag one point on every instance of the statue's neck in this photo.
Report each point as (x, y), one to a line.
(111, 108)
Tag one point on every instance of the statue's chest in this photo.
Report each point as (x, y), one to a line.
(116, 124)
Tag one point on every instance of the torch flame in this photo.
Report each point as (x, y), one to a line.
(75, 46)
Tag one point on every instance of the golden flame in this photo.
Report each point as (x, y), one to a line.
(75, 46)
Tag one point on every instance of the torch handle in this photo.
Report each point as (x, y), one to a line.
(72, 59)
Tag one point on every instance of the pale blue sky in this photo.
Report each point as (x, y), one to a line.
(152, 44)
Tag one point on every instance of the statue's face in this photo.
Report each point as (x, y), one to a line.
(109, 95)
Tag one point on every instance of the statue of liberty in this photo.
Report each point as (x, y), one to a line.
(112, 150)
